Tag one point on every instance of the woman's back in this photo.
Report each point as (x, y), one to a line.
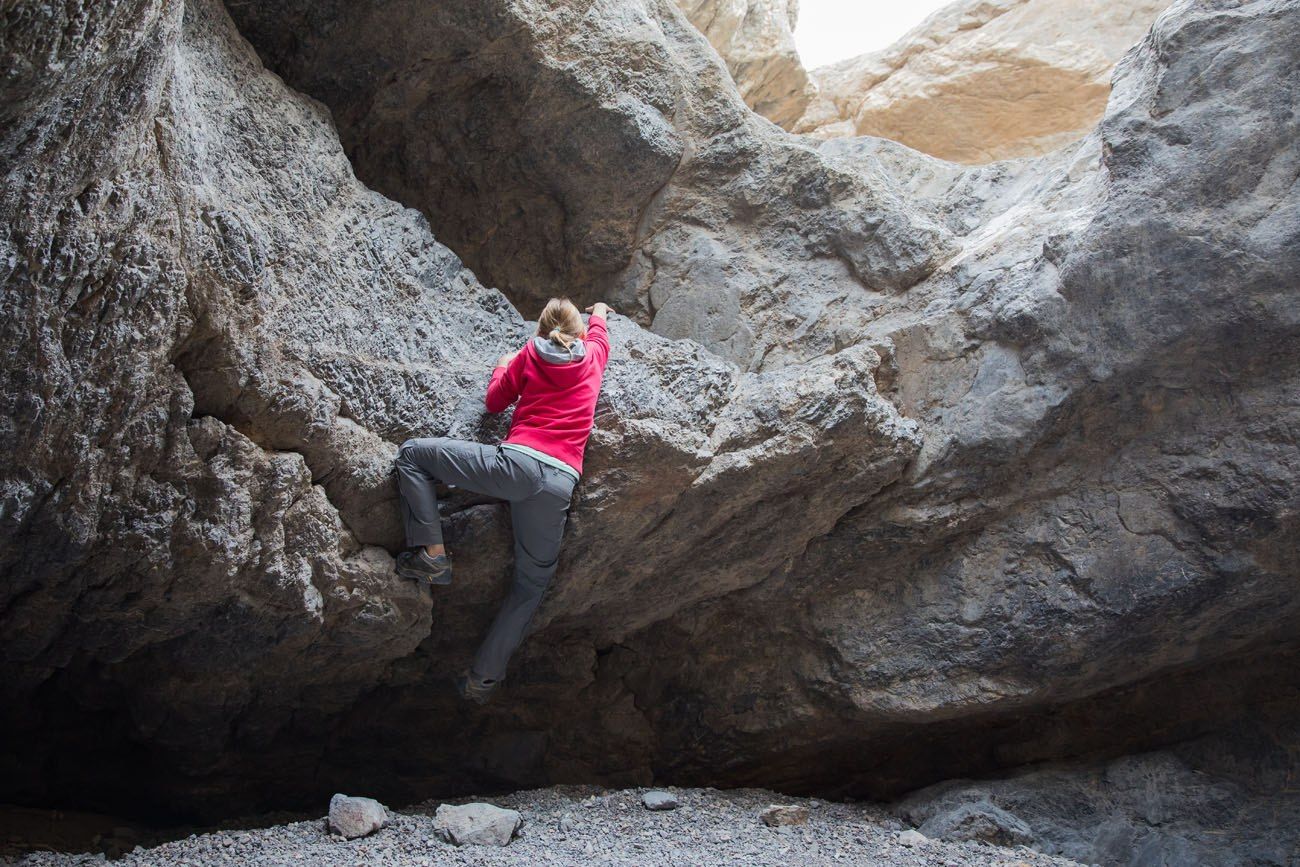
(557, 401)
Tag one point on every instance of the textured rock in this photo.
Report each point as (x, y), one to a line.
(984, 80)
(961, 468)
(476, 824)
(547, 175)
(778, 815)
(233, 333)
(1222, 799)
(356, 817)
(977, 820)
(1066, 331)
(756, 39)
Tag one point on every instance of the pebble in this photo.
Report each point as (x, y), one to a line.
(778, 815)
(911, 837)
(657, 800)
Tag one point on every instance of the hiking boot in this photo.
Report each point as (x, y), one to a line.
(473, 688)
(417, 564)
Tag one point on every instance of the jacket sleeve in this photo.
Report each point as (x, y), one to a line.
(506, 383)
(598, 340)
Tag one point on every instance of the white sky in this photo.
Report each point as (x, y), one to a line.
(831, 30)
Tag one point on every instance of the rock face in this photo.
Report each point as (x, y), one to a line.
(902, 469)
(756, 39)
(215, 336)
(984, 80)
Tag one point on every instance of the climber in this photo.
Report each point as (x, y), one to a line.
(555, 377)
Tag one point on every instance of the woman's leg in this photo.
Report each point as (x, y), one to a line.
(470, 465)
(538, 525)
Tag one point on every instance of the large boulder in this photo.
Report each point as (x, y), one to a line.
(984, 80)
(214, 338)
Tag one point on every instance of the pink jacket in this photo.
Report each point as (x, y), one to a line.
(557, 402)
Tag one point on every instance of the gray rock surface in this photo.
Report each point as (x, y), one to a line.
(476, 824)
(756, 40)
(354, 817)
(659, 800)
(951, 469)
(1224, 799)
(911, 838)
(977, 820)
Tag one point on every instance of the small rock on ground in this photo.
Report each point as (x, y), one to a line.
(657, 800)
(784, 814)
(356, 817)
(476, 824)
(911, 837)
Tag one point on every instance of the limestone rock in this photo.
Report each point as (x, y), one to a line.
(756, 39)
(984, 80)
(356, 817)
(476, 824)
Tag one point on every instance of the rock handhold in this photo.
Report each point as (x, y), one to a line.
(658, 800)
(476, 824)
(784, 814)
(356, 817)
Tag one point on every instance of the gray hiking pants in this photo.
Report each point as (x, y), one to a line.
(539, 497)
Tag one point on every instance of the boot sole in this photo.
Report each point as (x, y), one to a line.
(440, 579)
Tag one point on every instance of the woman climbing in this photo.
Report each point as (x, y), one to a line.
(555, 377)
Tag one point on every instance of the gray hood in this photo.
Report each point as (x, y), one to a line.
(555, 353)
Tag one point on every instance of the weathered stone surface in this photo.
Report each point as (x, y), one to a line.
(984, 80)
(1221, 799)
(977, 820)
(778, 815)
(354, 817)
(756, 39)
(547, 146)
(476, 824)
(215, 335)
(961, 467)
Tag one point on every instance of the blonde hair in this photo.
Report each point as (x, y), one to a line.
(561, 322)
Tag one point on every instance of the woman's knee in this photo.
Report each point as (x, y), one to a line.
(420, 451)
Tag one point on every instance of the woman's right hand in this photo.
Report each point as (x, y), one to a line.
(601, 309)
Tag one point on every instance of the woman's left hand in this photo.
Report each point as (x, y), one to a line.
(507, 358)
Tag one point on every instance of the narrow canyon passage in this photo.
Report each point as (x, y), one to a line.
(904, 470)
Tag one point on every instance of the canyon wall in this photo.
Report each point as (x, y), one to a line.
(902, 470)
(756, 40)
(979, 81)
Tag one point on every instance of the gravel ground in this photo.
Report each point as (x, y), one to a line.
(583, 825)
